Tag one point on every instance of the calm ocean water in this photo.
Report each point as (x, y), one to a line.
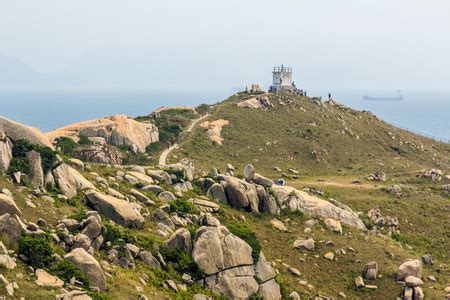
(427, 112)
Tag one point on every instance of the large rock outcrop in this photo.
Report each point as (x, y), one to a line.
(296, 200)
(9, 228)
(227, 262)
(185, 166)
(409, 268)
(180, 239)
(17, 131)
(70, 181)
(229, 250)
(268, 287)
(8, 206)
(118, 210)
(5, 152)
(241, 194)
(141, 178)
(256, 102)
(46, 279)
(35, 171)
(216, 192)
(89, 266)
(235, 283)
(117, 130)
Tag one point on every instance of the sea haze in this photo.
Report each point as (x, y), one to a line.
(49, 110)
(426, 112)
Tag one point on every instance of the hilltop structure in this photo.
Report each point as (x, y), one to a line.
(282, 81)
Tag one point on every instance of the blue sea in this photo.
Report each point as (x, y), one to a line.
(427, 112)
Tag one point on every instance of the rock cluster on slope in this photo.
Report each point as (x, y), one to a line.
(117, 130)
(258, 194)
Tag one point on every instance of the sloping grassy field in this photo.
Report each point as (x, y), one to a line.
(346, 141)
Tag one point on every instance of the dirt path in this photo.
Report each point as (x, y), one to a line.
(163, 157)
(165, 153)
(189, 129)
(338, 182)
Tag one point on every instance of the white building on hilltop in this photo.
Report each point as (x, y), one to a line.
(282, 81)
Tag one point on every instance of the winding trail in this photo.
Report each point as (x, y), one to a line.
(165, 153)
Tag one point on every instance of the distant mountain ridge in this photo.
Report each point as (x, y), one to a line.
(14, 72)
(105, 68)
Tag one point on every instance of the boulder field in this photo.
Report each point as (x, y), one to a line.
(258, 194)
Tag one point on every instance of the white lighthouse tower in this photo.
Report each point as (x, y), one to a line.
(282, 80)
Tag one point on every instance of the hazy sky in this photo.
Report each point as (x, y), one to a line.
(344, 43)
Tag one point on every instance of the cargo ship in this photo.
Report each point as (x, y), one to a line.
(398, 97)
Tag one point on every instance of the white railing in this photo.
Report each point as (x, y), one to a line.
(421, 133)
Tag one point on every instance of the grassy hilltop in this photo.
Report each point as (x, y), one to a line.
(312, 137)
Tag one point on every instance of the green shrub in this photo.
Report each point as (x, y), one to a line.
(120, 237)
(141, 159)
(245, 233)
(66, 270)
(398, 237)
(287, 213)
(155, 147)
(18, 164)
(37, 250)
(139, 185)
(284, 291)
(147, 243)
(170, 125)
(180, 174)
(84, 140)
(203, 109)
(193, 229)
(171, 130)
(66, 144)
(182, 262)
(77, 199)
(116, 236)
(48, 157)
(183, 206)
(80, 215)
(22, 147)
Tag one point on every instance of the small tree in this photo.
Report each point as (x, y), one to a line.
(38, 251)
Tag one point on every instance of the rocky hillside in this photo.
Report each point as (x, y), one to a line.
(281, 132)
(72, 229)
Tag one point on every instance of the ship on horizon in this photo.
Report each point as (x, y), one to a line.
(398, 97)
